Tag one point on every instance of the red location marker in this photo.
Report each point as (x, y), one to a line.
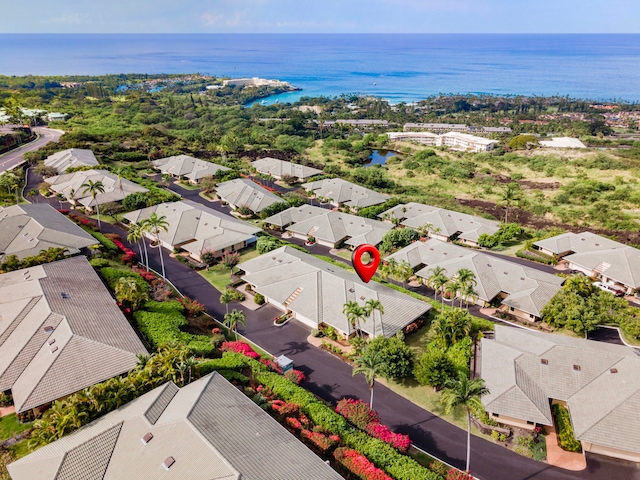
(365, 270)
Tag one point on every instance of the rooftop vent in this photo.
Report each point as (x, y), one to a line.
(52, 341)
(54, 350)
(64, 295)
(521, 278)
(506, 273)
(577, 368)
(613, 370)
(147, 438)
(48, 329)
(361, 297)
(351, 290)
(544, 361)
(168, 462)
(597, 244)
(488, 264)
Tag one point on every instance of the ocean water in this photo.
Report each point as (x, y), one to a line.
(396, 67)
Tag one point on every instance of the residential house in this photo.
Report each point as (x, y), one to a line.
(205, 430)
(524, 291)
(242, 192)
(340, 192)
(186, 167)
(440, 223)
(279, 168)
(72, 157)
(70, 186)
(26, 230)
(612, 262)
(329, 228)
(197, 229)
(315, 292)
(528, 371)
(61, 331)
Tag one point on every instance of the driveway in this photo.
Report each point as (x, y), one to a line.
(10, 159)
(331, 379)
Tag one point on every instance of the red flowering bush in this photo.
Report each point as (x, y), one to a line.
(323, 442)
(357, 412)
(239, 347)
(192, 307)
(148, 276)
(455, 474)
(272, 364)
(284, 408)
(382, 432)
(216, 331)
(294, 422)
(359, 464)
(64, 212)
(296, 376)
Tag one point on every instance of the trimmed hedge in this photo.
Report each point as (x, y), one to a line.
(567, 439)
(160, 322)
(105, 242)
(99, 262)
(540, 258)
(112, 275)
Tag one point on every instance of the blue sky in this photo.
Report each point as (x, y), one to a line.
(325, 16)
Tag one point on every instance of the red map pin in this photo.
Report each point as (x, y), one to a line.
(365, 270)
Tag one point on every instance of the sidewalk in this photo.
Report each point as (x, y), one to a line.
(558, 457)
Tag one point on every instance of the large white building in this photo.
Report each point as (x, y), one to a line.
(453, 140)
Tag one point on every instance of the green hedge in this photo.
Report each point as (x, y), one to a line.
(106, 243)
(160, 322)
(562, 420)
(112, 275)
(229, 361)
(99, 262)
(541, 258)
(400, 466)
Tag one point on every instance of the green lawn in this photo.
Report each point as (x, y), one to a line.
(21, 449)
(219, 276)
(104, 218)
(10, 426)
(187, 185)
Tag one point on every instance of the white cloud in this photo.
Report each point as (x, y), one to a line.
(67, 18)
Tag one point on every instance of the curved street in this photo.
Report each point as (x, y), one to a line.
(12, 158)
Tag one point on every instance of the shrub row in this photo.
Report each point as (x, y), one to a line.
(105, 242)
(160, 322)
(112, 275)
(536, 258)
(565, 430)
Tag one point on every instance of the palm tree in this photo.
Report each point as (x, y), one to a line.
(154, 224)
(467, 280)
(464, 393)
(404, 272)
(229, 296)
(437, 279)
(136, 234)
(130, 292)
(354, 313)
(452, 288)
(452, 326)
(232, 319)
(511, 193)
(469, 294)
(93, 188)
(370, 306)
(371, 365)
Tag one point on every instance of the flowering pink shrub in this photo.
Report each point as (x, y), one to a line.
(360, 414)
(239, 347)
(455, 474)
(359, 464)
(272, 364)
(148, 276)
(323, 442)
(296, 376)
(357, 412)
(284, 408)
(294, 422)
(382, 432)
(63, 211)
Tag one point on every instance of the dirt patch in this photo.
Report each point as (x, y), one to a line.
(526, 218)
(526, 184)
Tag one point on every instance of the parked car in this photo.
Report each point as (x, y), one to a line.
(608, 288)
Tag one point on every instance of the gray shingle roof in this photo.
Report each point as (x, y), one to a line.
(115, 189)
(601, 403)
(91, 340)
(325, 288)
(529, 289)
(73, 157)
(209, 427)
(186, 166)
(577, 243)
(195, 227)
(243, 192)
(342, 192)
(25, 230)
(444, 222)
(619, 264)
(329, 226)
(278, 168)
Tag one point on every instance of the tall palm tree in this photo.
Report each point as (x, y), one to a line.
(232, 319)
(154, 224)
(453, 326)
(464, 393)
(469, 294)
(371, 365)
(93, 188)
(467, 280)
(452, 288)
(229, 296)
(437, 279)
(370, 306)
(404, 272)
(512, 193)
(136, 234)
(354, 313)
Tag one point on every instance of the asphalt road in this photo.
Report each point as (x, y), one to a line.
(10, 159)
(331, 379)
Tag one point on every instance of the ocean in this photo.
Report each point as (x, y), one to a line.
(395, 67)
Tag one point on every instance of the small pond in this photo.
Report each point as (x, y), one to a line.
(379, 157)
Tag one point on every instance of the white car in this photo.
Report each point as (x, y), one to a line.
(608, 288)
